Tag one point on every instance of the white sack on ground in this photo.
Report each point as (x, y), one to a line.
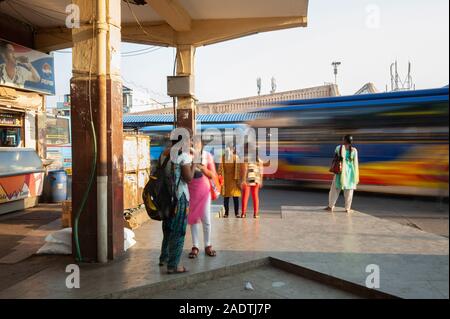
(60, 242)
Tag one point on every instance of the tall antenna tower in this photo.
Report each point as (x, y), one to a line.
(396, 82)
(273, 83)
(259, 85)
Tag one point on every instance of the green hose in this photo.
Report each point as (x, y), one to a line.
(85, 195)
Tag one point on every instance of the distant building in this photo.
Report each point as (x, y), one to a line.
(127, 95)
(253, 103)
(63, 108)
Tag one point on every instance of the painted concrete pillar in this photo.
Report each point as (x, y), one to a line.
(186, 106)
(85, 102)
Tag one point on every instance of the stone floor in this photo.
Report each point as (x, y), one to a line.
(412, 263)
(265, 283)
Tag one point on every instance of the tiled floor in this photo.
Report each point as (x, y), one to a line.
(412, 263)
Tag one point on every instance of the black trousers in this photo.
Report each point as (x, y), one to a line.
(226, 204)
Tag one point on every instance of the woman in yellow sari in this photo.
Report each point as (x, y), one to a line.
(229, 170)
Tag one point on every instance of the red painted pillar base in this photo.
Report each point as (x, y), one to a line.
(82, 157)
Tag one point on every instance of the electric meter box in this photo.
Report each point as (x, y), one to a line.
(180, 86)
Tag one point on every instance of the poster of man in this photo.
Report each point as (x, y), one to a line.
(24, 68)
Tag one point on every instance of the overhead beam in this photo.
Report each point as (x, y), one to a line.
(206, 32)
(173, 13)
(203, 32)
(52, 39)
(16, 31)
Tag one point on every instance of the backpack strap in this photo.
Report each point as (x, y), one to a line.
(164, 164)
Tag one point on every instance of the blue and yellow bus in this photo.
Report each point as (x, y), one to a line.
(402, 138)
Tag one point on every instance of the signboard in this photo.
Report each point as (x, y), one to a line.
(27, 69)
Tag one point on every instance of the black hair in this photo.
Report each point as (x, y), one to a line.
(349, 139)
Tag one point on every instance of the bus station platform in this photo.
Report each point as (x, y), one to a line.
(338, 246)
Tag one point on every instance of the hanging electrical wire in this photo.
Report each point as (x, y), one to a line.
(140, 50)
(142, 53)
(129, 53)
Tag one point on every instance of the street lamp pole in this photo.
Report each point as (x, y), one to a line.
(335, 67)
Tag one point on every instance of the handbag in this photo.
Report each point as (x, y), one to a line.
(215, 187)
(336, 165)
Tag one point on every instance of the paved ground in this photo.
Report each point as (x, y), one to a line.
(412, 263)
(428, 214)
(22, 233)
(266, 283)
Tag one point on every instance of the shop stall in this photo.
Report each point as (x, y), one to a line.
(26, 77)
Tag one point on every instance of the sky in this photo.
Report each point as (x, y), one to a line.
(366, 36)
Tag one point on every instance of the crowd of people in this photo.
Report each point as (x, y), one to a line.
(195, 176)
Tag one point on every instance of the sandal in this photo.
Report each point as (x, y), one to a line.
(210, 252)
(176, 271)
(243, 216)
(194, 253)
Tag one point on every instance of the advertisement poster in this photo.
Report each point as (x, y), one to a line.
(27, 69)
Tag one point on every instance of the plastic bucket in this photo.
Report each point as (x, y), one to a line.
(57, 186)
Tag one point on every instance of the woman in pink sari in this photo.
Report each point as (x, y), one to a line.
(200, 201)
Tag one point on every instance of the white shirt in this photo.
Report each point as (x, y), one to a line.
(182, 160)
(21, 76)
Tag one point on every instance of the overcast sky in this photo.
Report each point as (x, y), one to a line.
(365, 35)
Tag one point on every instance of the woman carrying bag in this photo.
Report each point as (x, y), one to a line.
(346, 169)
(202, 189)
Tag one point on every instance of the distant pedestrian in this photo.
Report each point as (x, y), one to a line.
(348, 179)
(181, 169)
(230, 171)
(252, 172)
(200, 200)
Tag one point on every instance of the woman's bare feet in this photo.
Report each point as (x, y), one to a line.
(329, 209)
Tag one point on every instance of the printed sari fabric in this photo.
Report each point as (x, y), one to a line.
(174, 231)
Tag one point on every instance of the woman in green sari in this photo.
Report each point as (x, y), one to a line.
(349, 178)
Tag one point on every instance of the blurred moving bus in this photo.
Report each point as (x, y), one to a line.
(59, 147)
(402, 138)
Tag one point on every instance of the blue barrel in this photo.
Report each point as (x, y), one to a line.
(57, 182)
